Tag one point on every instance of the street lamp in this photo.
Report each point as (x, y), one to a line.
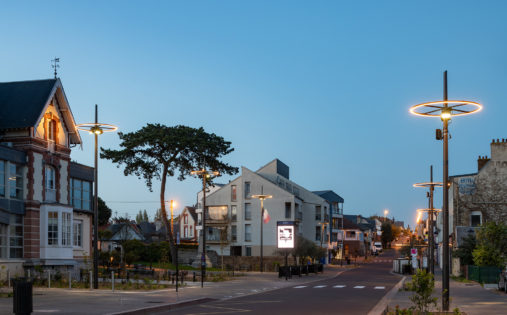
(96, 129)
(262, 198)
(385, 215)
(445, 109)
(431, 238)
(205, 174)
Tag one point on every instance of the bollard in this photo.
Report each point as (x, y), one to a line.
(70, 281)
(112, 280)
(49, 278)
(29, 274)
(9, 278)
(91, 285)
(193, 278)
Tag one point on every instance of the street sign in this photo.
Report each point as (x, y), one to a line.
(413, 251)
(285, 234)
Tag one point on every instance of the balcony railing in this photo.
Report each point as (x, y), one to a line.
(50, 195)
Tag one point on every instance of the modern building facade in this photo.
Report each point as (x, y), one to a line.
(234, 217)
(45, 198)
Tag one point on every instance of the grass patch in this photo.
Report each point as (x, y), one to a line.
(462, 279)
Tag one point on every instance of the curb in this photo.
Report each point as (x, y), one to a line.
(382, 304)
(164, 307)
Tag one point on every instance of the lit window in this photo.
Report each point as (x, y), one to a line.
(53, 228)
(234, 213)
(52, 130)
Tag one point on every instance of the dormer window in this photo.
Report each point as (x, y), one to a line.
(52, 130)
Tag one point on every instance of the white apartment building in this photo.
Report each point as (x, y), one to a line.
(233, 221)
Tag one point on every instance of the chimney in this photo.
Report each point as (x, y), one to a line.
(481, 161)
(499, 150)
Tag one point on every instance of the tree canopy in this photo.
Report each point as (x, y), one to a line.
(491, 248)
(157, 151)
(104, 212)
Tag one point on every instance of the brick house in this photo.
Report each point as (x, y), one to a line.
(45, 198)
(187, 225)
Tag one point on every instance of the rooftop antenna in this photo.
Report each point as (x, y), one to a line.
(55, 65)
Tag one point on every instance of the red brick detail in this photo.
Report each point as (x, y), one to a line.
(31, 234)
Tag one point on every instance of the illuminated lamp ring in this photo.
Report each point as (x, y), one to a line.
(434, 184)
(429, 210)
(434, 109)
(91, 126)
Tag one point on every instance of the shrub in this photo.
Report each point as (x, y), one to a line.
(422, 284)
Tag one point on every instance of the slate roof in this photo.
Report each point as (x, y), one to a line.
(349, 225)
(191, 210)
(329, 195)
(21, 103)
(363, 226)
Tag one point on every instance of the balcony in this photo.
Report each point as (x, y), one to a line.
(50, 195)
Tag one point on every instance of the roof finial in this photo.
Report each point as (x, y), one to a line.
(55, 65)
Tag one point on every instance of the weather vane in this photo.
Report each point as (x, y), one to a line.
(55, 65)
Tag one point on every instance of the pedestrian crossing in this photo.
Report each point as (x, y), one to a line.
(339, 286)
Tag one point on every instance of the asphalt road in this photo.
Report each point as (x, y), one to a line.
(355, 291)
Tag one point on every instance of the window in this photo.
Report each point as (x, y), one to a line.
(318, 214)
(80, 194)
(248, 211)
(247, 189)
(234, 213)
(53, 228)
(317, 233)
(78, 233)
(185, 219)
(52, 130)
(248, 232)
(2, 179)
(16, 181)
(16, 236)
(288, 208)
(476, 218)
(248, 250)
(234, 233)
(66, 229)
(50, 183)
(350, 234)
(233, 192)
(190, 231)
(185, 232)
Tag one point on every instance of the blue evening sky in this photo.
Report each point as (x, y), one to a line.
(325, 86)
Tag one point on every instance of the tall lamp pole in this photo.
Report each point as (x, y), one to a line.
(262, 198)
(431, 211)
(96, 129)
(205, 174)
(445, 109)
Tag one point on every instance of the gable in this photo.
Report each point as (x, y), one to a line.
(28, 104)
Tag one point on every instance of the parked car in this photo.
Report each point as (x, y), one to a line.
(502, 281)
(378, 247)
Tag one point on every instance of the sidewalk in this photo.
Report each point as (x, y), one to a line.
(470, 298)
(81, 301)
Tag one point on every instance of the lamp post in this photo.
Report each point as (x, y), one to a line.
(96, 129)
(262, 198)
(431, 237)
(431, 242)
(205, 174)
(445, 109)
(385, 215)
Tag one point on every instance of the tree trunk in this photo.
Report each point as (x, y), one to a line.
(168, 227)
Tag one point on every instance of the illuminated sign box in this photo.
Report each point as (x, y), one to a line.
(285, 234)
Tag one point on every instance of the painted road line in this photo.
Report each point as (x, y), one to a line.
(379, 288)
(359, 287)
(339, 286)
(319, 286)
(300, 287)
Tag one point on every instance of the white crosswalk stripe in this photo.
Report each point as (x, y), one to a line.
(359, 287)
(379, 288)
(339, 286)
(320, 286)
(300, 287)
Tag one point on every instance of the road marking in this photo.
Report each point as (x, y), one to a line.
(359, 287)
(379, 288)
(319, 286)
(339, 286)
(300, 287)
